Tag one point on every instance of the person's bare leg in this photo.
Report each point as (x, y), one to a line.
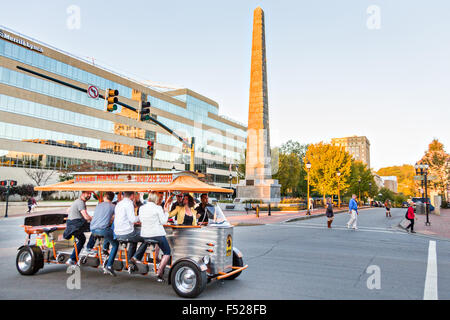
(162, 265)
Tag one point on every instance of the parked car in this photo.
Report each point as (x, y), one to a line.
(422, 200)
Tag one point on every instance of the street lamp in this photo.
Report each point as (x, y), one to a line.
(308, 166)
(422, 169)
(338, 173)
(359, 190)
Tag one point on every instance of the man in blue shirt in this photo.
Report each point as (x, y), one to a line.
(353, 210)
(101, 225)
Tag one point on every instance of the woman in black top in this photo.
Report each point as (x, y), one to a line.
(329, 212)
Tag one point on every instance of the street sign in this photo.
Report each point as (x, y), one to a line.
(93, 92)
(429, 178)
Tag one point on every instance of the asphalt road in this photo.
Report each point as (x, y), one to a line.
(296, 260)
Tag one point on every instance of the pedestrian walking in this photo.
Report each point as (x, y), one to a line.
(311, 205)
(388, 205)
(353, 210)
(410, 216)
(329, 212)
(31, 204)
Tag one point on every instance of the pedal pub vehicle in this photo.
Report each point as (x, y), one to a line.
(199, 253)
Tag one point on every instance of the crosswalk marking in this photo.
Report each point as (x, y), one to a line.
(360, 229)
(431, 291)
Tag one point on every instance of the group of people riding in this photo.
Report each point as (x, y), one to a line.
(134, 220)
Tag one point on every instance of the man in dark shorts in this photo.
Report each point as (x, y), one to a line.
(77, 224)
(388, 205)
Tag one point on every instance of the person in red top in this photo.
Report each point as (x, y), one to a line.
(410, 216)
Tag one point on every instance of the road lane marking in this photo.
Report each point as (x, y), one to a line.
(431, 290)
(359, 227)
(336, 228)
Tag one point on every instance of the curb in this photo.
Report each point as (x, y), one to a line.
(312, 216)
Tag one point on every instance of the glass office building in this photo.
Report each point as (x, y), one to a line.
(51, 126)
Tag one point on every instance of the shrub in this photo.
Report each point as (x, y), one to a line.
(252, 201)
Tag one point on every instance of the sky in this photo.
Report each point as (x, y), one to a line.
(378, 68)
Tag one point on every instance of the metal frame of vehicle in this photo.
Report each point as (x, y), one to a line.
(199, 253)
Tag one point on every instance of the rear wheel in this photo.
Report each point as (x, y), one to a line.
(29, 260)
(188, 280)
(237, 262)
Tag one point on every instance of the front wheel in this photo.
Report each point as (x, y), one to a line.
(29, 260)
(188, 280)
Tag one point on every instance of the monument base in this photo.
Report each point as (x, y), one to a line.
(264, 190)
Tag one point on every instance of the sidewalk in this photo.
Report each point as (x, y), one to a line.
(440, 225)
(19, 209)
(240, 218)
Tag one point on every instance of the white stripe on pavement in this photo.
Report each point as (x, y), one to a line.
(359, 227)
(335, 228)
(431, 290)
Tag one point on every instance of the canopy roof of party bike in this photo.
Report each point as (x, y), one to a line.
(139, 181)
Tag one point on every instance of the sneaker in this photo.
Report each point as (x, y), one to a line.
(86, 252)
(355, 228)
(160, 279)
(70, 262)
(412, 231)
(110, 271)
(348, 226)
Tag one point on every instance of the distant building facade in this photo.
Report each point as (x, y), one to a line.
(358, 147)
(390, 182)
(378, 180)
(46, 125)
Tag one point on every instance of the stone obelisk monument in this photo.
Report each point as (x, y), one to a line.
(258, 182)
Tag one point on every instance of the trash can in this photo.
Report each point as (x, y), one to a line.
(420, 208)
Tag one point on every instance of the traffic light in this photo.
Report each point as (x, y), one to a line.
(145, 111)
(12, 183)
(150, 148)
(4, 183)
(111, 100)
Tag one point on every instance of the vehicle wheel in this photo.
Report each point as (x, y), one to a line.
(29, 260)
(188, 280)
(237, 262)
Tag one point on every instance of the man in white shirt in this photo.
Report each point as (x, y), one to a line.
(124, 220)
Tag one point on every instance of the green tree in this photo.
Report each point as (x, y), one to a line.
(288, 168)
(399, 199)
(384, 194)
(405, 178)
(438, 161)
(361, 181)
(326, 160)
